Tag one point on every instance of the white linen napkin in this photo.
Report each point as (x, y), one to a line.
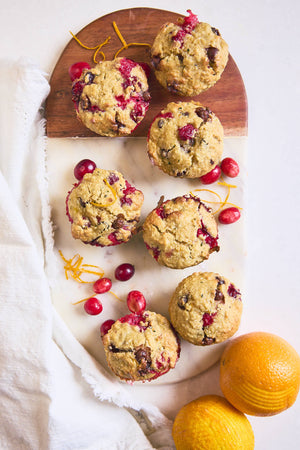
(53, 394)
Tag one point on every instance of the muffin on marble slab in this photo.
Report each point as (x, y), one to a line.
(185, 140)
(188, 57)
(103, 208)
(181, 232)
(112, 98)
(206, 308)
(141, 347)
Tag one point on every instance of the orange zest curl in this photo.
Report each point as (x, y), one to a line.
(97, 48)
(85, 299)
(104, 205)
(75, 269)
(220, 202)
(124, 43)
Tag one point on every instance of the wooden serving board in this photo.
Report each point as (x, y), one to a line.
(227, 99)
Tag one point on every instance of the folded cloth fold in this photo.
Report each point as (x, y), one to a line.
(53, 393)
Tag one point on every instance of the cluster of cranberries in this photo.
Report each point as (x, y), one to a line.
(123, 272)
(230, 168)
(136, 302)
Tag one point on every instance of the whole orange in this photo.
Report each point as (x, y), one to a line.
(212, 423)
(260, 374)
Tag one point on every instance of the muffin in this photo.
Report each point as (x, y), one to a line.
(188, 57)
(112, 98)
(181, 232)
(103, 208)
(141, 347)
(205, 308)
(185, 140)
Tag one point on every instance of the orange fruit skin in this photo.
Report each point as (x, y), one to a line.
(260, 374)
(211, 423)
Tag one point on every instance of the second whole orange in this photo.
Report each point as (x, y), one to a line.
(211, 423)
(260, 373)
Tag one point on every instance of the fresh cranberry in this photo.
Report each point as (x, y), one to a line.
(124, 272)
(186, 132)
(93, 306)
(84, 166)
(230, 167)
(75, 70)
(211, 176)
(229, 215)
(106, 326)
(102, 285)
(136, 302)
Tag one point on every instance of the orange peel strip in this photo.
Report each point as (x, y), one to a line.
(124, 43)
(80, 301)
(223, 183)
(221, 202)
(100, 205)
(74, 268)
(115, 295)
(130, 45)
(118, 33)
(97, 47)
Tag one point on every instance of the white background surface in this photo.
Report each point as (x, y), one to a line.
(263, 38)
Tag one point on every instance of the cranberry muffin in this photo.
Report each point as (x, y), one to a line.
(141, 347)
(185, 140)
(112, 98)
(103, 208)
(206, 308)
(181, 232)
(188, 57)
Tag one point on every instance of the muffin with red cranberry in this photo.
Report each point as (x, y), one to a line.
(141, 347)
(185, 140)
(181, 232)
(112, 98)
(206, 308)
(103, 208)
(189, 56)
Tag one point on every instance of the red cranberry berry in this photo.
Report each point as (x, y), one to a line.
(93, 306)
(136, 302)
(102, 285)
(229, 215)
(83, 167)
(106, 326)
(230, 167)
(75, 70)
(211, 176)
(124, 272)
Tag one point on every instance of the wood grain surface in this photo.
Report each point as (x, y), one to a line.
(227, 99)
